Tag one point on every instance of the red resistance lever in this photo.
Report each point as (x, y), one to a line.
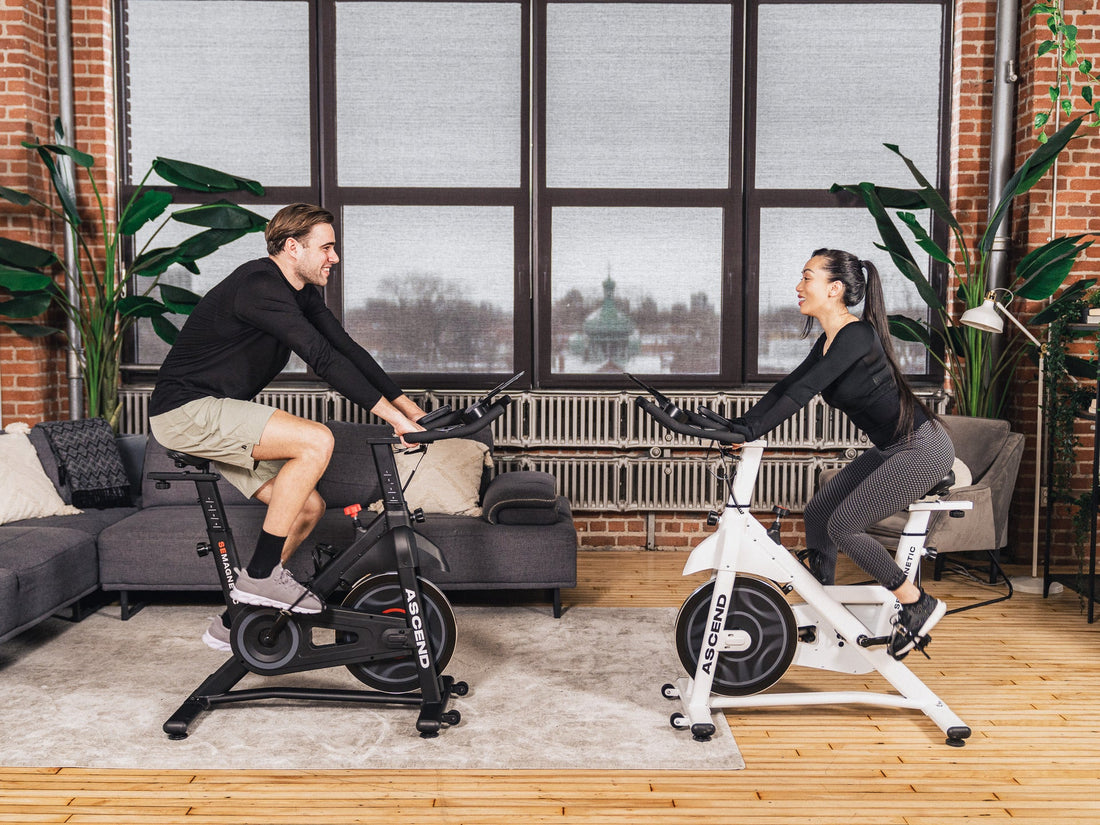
(352, 510)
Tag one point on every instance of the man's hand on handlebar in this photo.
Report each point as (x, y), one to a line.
(403, 427)
(400, 422)
(408, 408)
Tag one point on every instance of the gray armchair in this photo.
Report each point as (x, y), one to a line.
(992, 453)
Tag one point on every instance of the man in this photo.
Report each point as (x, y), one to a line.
(237, 339)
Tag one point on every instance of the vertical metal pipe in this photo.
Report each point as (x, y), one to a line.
(63, 22)
(1003, 131)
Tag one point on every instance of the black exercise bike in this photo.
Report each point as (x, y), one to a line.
(394, 630)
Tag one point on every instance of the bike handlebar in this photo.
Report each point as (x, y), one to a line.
(695, 425)
(456, 425)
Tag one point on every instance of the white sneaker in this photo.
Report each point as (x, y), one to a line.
(217, 636)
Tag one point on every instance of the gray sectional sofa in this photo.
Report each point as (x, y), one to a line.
(50, 564)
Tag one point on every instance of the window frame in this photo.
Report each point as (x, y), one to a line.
(533, 201)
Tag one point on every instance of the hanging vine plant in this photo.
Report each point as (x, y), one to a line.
(1066, 401)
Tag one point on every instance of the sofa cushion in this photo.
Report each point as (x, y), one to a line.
(521, 497)
(154, 549)
(26, 491)
(484, 556)
(49, 463)
(53, 566)
(91, 521)
(9, 601)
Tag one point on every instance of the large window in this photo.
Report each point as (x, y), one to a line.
(572, 188)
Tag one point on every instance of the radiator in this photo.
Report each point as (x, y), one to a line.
(604, 452)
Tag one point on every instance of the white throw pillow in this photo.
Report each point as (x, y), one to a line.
(446, 479)
(25, 489)
(963, 476)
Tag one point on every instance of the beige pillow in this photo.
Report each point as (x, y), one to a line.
(963, 476)
(25, 489)
(445, 479)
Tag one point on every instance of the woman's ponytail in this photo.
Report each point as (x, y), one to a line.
(874, 312)
(862, 283)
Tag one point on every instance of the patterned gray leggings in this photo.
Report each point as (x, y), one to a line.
(877, 484)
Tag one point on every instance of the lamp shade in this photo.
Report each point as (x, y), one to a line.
(984, 317)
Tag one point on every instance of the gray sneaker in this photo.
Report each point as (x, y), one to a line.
(217, 636)
(280, 590)
(913, 623)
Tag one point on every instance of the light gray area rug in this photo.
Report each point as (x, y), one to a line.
(582, 692)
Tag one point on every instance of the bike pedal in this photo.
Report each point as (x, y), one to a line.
(922, 643)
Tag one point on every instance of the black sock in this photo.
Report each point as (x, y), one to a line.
(226, 621)
(269, 552)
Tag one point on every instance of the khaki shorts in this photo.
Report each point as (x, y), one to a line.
(224, 430)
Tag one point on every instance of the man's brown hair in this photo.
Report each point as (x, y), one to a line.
(294, 221)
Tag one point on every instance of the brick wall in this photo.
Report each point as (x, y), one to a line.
(1064, 203)
(33, 383)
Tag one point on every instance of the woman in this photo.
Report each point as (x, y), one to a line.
(852, 366)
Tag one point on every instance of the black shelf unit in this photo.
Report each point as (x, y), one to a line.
(1074, 581)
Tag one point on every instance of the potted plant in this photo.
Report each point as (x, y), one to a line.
(110, 298)
(965, 353)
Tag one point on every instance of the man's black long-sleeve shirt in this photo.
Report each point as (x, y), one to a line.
(240, 336)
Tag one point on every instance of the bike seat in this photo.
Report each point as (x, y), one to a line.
(187, 460)
(941, 487)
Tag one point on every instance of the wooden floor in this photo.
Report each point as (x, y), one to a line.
(1024, 674)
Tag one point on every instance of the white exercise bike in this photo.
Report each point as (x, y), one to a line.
(737, 634)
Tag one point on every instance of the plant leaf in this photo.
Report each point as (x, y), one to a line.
(924, 240)
(165, 329)
(150, 205)
(61, 186)
(15, 196)
(81, 159)
(1080, 367)
(178, 299)
(908, 329)
(958, 342)
(890, 197)
(1029, 173)
(1046, 268)
(201, 245)
(202, 178)
(1055, 308)
(221, 215)
(895, 245)
(25, 256)
(140, 306)
(155, 262)
(928, 193)
(22, 280)
(31, 330)
(26, 305)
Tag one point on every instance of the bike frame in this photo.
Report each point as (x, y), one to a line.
(390, 543)
(851, 622)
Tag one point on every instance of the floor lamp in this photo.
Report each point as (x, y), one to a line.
(987, 319)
